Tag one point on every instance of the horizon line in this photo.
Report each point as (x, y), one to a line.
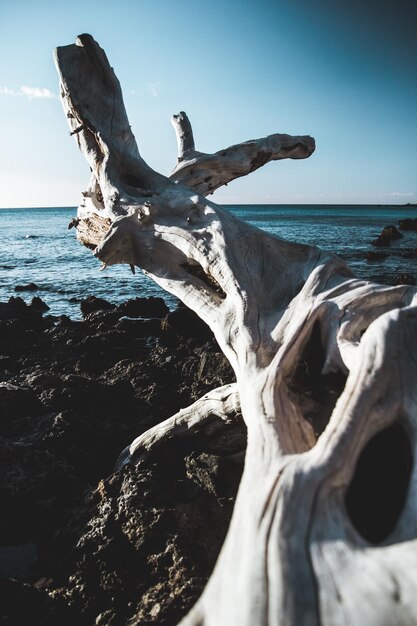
(375, 204)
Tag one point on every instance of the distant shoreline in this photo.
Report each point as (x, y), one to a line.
(237, 204)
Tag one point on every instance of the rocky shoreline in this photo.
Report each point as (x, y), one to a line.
(80, 543)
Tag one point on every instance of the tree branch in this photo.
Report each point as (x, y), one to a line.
(184, 134)
(207, 172)
(206, 416)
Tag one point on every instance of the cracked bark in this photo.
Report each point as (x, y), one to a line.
(288, 317)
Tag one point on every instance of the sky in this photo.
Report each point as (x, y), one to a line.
(343, 71)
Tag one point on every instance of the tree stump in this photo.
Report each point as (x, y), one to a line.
(325, 521)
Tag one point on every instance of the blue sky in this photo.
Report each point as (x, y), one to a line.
(342, 71)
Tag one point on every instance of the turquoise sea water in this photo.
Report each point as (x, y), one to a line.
(36, 246)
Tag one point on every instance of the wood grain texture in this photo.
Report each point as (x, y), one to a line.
(207, 172)
(292, 320)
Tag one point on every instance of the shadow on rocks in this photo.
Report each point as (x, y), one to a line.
(137, 545)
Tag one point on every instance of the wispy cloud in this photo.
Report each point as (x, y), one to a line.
(5, 91)
(28, 92)
(36, 92)
(404, 194)
(154, 89)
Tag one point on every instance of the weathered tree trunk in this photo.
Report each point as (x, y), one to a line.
(325, 363)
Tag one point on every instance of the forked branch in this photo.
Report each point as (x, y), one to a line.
(207, 172)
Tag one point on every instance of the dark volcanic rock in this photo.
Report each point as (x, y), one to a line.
(38, 304)
(17, 309)
(387, 236)
(376, 256)
(145, 542)
(16, 560)
(138, 544)
(140, 327)
(144, 307)
(28, 287)
(5, 362)
(185, 323)
(405, 279)
(25, 604)
(17, 402)
(408, 224)
(91, 304)
(408, 254)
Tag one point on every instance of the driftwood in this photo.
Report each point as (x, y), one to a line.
(208, 415)
(325, 522)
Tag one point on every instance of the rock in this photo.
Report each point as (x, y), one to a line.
(77, 394)
(17, 402)
(140, 327)
(5, 362)
(106, 317)
(217, 474)
(147, 539)
(24, 604)
(376, 256)
(183, 322)
(28, 287)
(408, 224)
(387, 236)
(91, 304)
(14, 308)
(144, 307)
(405, 279)
(17, 309)
(408, 254)
(39, 305)
(212, 366)
(16, 560)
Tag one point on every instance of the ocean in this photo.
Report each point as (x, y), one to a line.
(37, 247)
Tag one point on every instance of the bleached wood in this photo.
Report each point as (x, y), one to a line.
(207, 172)
(184, 134)
(292, 556)
(205, 416)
